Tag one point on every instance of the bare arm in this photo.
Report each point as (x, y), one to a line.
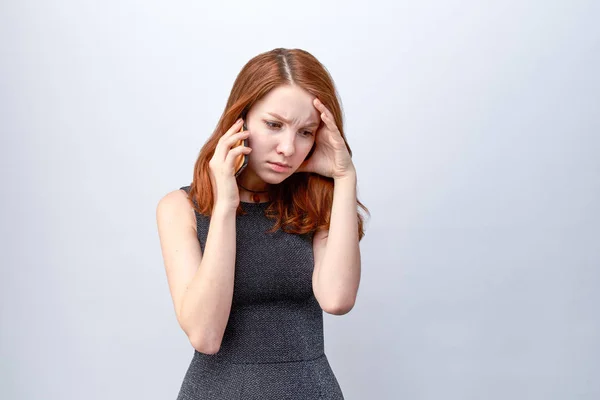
(336, 275)
(201, 285)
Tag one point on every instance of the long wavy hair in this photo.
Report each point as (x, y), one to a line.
(302, 202)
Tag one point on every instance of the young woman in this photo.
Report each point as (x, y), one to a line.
(254, 258)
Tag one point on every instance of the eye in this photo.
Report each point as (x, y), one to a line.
(272, 124)
(277, 125)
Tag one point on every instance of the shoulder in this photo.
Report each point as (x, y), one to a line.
(175, 207)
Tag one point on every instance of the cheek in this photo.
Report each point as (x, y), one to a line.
(258, 145)
(259, 141)
(306, 149)
(254, 142)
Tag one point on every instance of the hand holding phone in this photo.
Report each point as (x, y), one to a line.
(222, 166)
(241, 161)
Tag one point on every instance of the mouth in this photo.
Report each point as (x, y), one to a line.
(278, 167)
(280, 164)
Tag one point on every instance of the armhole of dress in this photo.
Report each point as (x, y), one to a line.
(186, 189)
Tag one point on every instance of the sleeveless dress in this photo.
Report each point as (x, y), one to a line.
(273, 345)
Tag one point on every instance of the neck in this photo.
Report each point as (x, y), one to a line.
(251, 190)
(252, 187)
(254, 197)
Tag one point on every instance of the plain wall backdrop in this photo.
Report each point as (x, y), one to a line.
(475, 132)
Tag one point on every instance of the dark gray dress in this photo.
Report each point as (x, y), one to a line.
(273, 344)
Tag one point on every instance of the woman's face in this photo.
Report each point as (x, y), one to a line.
(282, 127)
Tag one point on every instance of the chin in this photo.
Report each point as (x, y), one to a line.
(274, 179)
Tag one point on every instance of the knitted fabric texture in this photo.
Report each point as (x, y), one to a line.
(273, 345)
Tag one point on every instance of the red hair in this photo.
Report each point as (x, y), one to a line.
(302, 202)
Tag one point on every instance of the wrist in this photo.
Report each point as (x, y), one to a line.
(347, 177)
(222, 209)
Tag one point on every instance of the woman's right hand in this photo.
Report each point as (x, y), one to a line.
(221, 167)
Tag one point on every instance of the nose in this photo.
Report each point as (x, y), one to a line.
(286, 145)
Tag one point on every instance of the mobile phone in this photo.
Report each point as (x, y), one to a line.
(242, 160)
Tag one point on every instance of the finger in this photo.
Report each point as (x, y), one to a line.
(226, 143)
(236, 127)
(318, 105)
(234, 138)
(325, 113)
(329, 122)
(236, 151)
(321, 107)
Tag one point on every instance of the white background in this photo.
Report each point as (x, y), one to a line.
(474, 127)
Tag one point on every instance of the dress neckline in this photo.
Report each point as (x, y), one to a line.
(262, 203)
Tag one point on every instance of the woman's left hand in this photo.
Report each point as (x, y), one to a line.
(331, 157)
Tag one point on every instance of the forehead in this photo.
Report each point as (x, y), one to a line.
(290, 102)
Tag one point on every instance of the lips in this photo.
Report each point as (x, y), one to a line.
(280, 164)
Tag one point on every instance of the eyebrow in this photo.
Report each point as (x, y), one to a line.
(285, 120)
